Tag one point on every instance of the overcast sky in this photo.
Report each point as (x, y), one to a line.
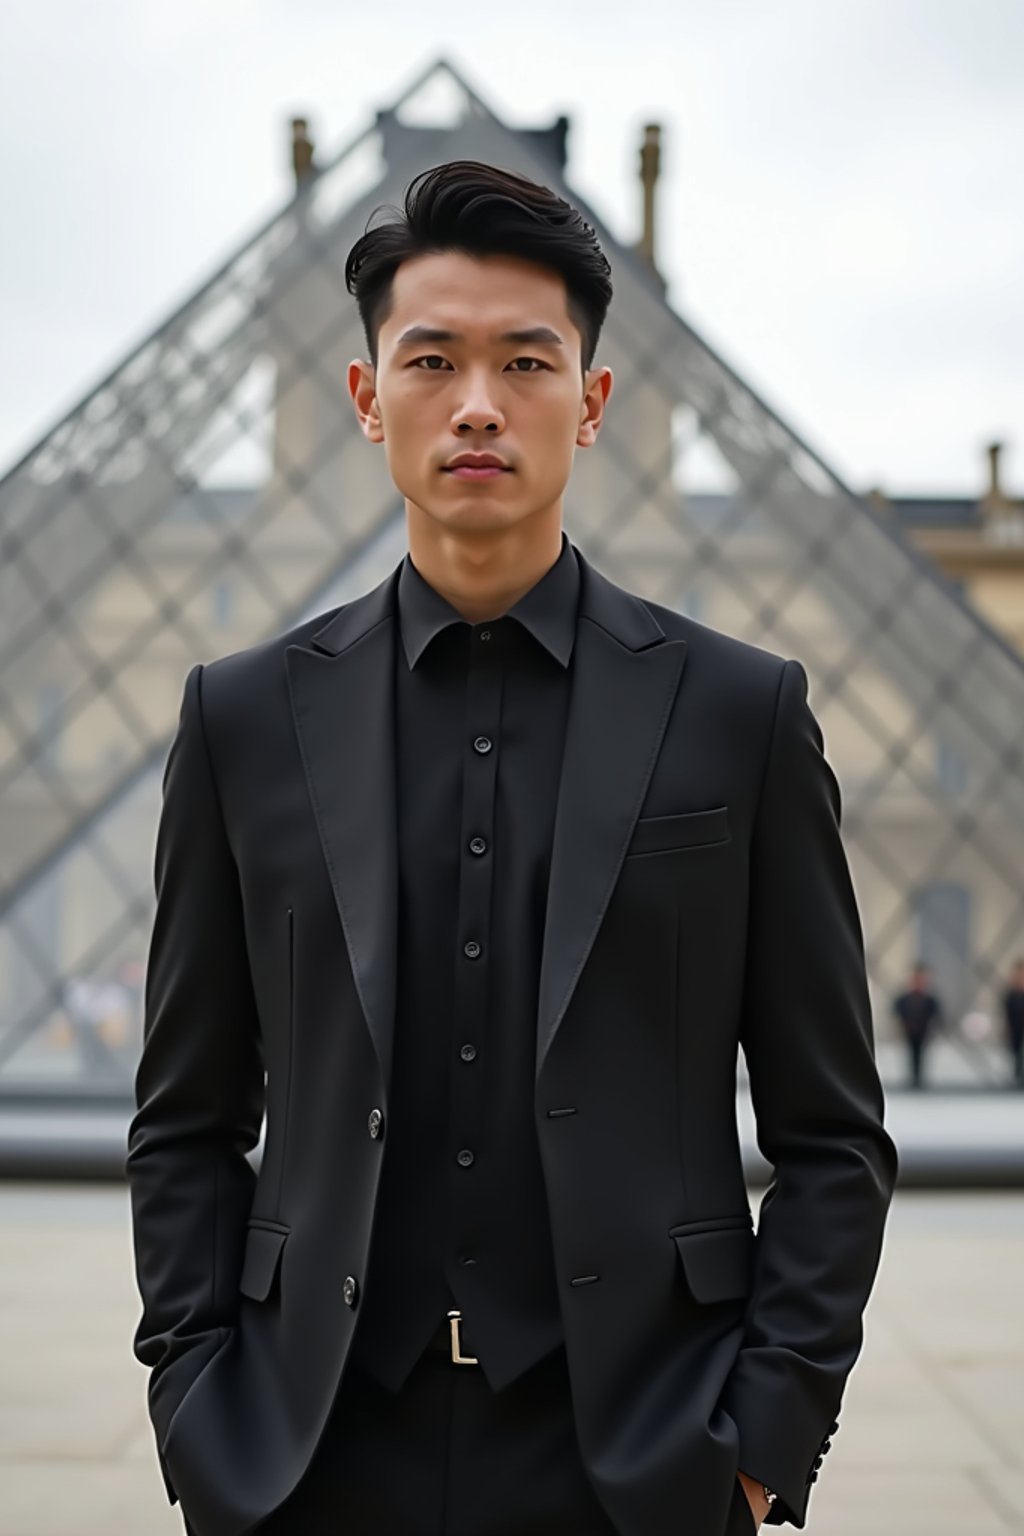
(841, 210)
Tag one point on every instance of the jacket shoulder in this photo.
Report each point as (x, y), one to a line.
(262, 665)
(735, 662)
(234, 681)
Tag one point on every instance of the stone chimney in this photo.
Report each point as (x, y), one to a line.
(650, 167)
(303, 164)
(1002, 518)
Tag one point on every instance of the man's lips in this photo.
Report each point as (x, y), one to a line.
(477, 472)
(474, 465)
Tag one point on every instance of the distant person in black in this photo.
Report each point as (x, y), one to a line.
(1013, 1011)
(919, 1012)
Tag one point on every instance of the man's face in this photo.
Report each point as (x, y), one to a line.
(478, 355)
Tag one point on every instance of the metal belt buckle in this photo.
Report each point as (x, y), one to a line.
(458, 1358)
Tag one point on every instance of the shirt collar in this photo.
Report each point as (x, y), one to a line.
(547, 610)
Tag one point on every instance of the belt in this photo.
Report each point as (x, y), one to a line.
(448, 1340)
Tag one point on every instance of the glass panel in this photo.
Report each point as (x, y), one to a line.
(217, 490)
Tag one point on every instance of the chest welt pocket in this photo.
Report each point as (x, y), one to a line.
(717, 1257)
(264, 1244)
(690, 829)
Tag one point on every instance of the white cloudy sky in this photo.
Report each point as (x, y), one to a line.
(842, 208)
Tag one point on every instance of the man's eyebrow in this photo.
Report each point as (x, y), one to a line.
(532, 335)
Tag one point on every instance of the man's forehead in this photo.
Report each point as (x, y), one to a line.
(459, 292)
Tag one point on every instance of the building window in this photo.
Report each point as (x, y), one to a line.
(222, 602)
(49, 704)
(942, 913)
(950, 768)
(691, 602)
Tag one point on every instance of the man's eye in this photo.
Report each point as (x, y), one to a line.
(432, 358)
(528, 360)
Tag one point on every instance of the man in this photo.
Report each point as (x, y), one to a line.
(919, 1013)
(1013, 1018)
(490, 872)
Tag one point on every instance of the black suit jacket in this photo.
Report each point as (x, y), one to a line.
(699, 900)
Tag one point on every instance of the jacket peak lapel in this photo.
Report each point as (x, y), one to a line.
(342, 698)
(626, 674)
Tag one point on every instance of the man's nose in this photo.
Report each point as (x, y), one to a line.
(479, 411)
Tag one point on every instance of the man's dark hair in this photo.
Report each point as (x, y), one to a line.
(482, 211)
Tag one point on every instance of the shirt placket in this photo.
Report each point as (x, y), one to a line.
(474, 956)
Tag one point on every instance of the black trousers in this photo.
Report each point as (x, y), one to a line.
(1017, 1057)
(446, 1456)
(916, 1048)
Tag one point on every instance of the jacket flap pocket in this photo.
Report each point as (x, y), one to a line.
(691, 829)
(718, 1263)
(263, 1247)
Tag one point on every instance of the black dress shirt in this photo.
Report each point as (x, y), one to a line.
(462, 1214)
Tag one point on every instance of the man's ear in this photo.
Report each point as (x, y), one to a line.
(597, 391)
(362, 386)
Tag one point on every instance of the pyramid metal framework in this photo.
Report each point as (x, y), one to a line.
(214, 490)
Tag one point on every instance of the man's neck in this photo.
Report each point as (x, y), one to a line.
(484, 578)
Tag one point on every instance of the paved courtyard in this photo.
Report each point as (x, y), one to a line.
(932, 1436)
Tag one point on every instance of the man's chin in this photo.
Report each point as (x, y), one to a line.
(469, 514)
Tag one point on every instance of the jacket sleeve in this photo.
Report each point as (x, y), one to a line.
(199, 1086)
(807, 1036)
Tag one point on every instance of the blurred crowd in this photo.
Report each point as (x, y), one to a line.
(921, 1017)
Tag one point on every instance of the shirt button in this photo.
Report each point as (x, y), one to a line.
(485, 634)
(468, 1053)
(482, 743)
(375, 1123)
(477, 845)
(471, 948)
(350, 1290)
(465, 1158)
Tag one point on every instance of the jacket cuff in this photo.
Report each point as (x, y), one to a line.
(774, 1450)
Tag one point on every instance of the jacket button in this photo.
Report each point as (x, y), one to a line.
(465, 1158)
(375, 1123)
(482, 743)
(350, 1290)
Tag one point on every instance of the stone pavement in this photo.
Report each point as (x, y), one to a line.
(932, 1428)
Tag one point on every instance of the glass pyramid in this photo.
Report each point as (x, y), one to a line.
(214, 490)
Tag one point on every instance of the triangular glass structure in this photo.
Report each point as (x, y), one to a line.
(214, 489)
